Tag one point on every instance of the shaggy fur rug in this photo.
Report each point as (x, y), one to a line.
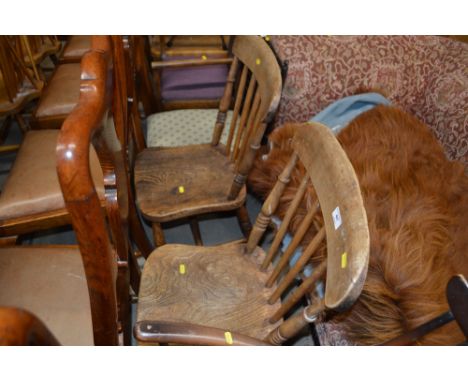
(417, 207)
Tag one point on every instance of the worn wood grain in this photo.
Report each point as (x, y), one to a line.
(220, 287)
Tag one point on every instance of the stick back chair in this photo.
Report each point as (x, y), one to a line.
(231, 293)
(179, 182)
(18, 85)
(82, 292)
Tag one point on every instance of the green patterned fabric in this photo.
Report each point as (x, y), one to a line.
(183, 127)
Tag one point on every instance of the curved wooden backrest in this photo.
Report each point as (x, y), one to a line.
(21, 328)
(318, 160)
(339, 195)
(254, 82)
(91, 121)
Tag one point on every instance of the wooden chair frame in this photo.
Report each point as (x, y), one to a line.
(254, 81)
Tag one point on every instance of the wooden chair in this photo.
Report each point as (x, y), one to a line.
(457, 298)
(18, 85)
(31, 199)
(61, 94)
(230, 294)
(37, 48)
(21, 328)
(190, 72)
(179, 182)
(82, 292)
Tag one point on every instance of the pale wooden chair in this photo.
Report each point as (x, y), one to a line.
(231, 293)
(179, 182)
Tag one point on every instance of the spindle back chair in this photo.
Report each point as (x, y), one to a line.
(18, 83)
(211, 177)
(231, 294)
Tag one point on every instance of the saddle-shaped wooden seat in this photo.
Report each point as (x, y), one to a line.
(217, 286)
(171, 187)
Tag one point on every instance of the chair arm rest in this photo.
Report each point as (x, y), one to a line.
(21, 328)
(193, 62)
(189, 334)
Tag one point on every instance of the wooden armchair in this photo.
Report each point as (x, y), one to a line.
(230, 294)
(178, 182)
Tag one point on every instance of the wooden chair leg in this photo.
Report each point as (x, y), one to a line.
(158, 234)
(244, 220)
(196, 231)
(5, 128)
(137, 232)
(135, 272)
(22, 123)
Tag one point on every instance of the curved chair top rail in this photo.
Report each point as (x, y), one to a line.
(255, 53)
(339, 195)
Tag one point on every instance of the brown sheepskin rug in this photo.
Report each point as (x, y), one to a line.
(417, 207)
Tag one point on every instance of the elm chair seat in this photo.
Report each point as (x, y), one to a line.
(49, 282)
(206, 180)
(75, 48)
(59, 97)
(214, 286)
(32, 186)
(183, 127)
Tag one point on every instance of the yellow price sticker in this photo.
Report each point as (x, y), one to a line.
(181, 189)
(228, 338)
(182, 269)
(267, 38)
(258, 61)
(203, 57)
(344, 260)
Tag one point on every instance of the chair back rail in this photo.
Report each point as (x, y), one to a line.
(326, 167)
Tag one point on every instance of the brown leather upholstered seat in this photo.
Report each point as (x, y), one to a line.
(32, 186)
(59, 97)
(75, 48)
(50, 283)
